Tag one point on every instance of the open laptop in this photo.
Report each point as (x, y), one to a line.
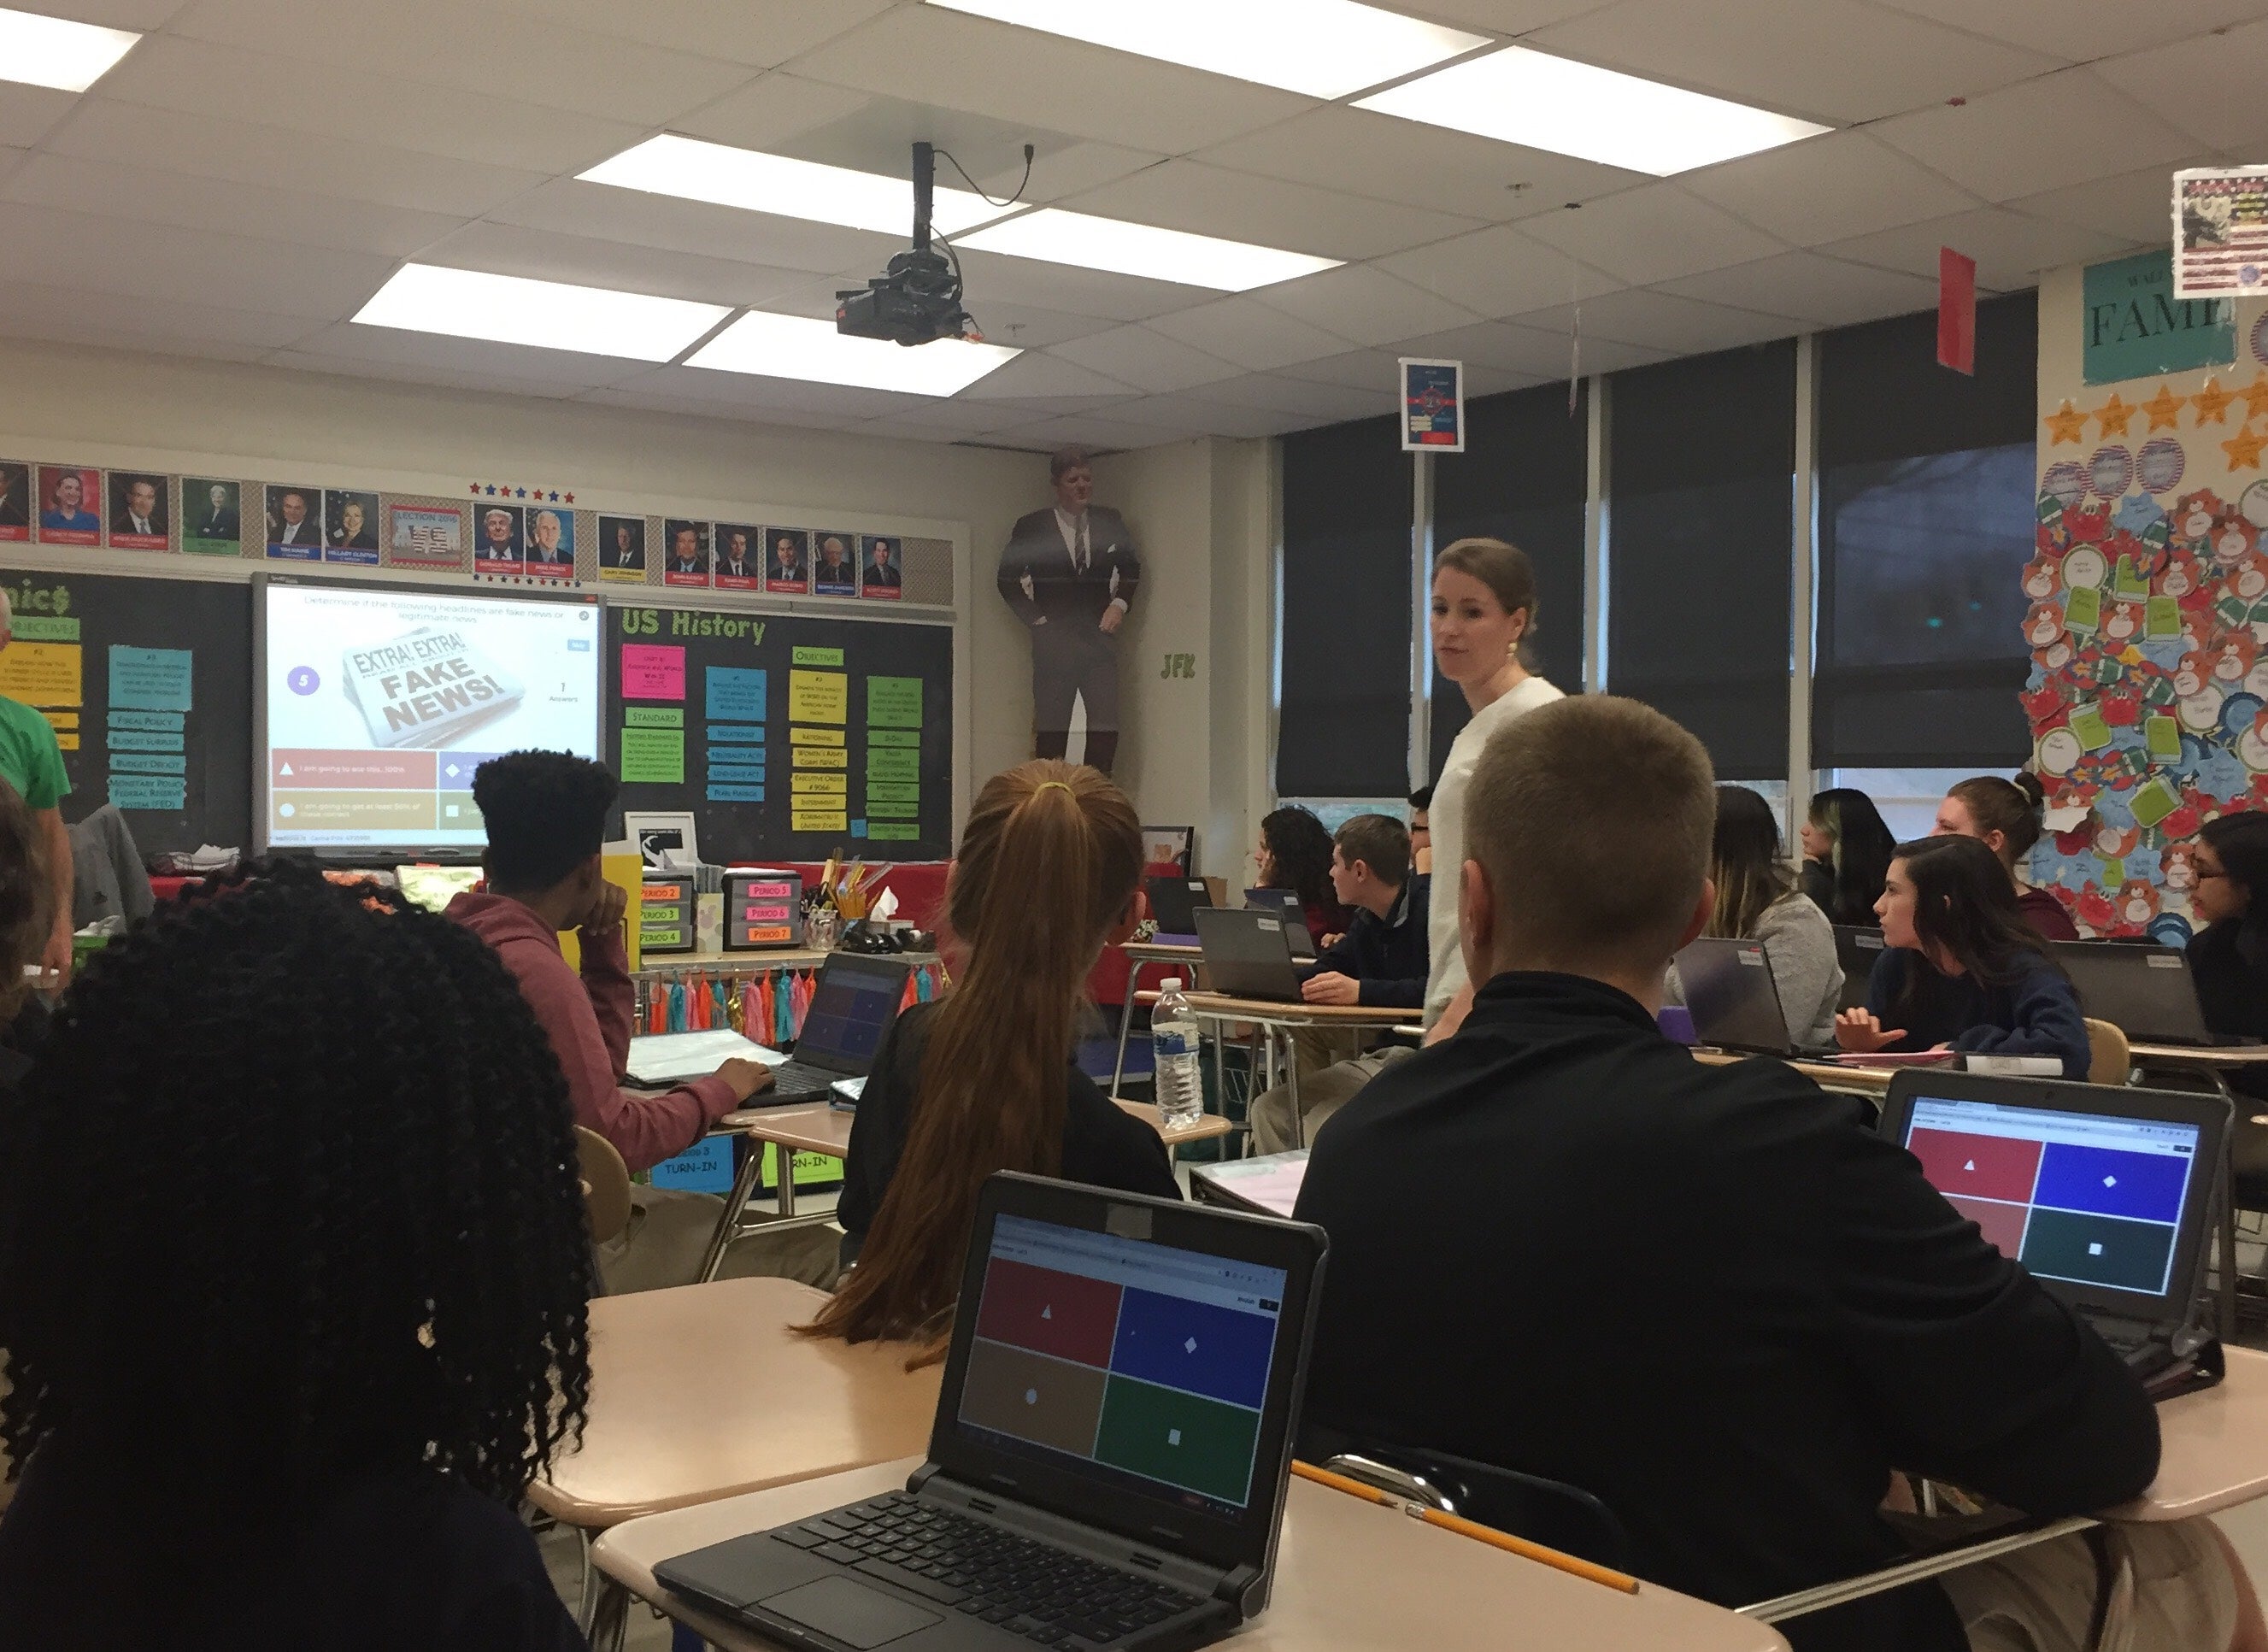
(1858, 951)
(2146, 993)
(1285, 904)
(1108, 1465)
(1247, 953)
(1173, 902)
(851, 1007)
(1733, 999)
(2104, 1194)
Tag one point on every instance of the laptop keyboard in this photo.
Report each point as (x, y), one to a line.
(791, 1082)
(1045, 1594)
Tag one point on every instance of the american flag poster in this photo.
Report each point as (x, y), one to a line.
(425, 536)
(2221, 233)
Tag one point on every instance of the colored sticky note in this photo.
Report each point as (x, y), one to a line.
(2114, 874)
(2082, 609)
(736, 694)
(893, 792)
(819, 656)
(889, 832)
(888, 764)
(857, 829)
(2153, 799)
(41, 673)
(2091, 727)
(875, 806)
(744, 732)
(2161, 616)
(652, 672)
(149, 790)
(706, 1167)
(143, 739)
(151, 679)
(822, 757)
(150, 762)
(170, 720)
(653, 757)
(2126, 581)
(2162, 735)
(734, 793)
(816, 736)
(653, 717)
(803, 820)
(67, 742)
(45, 628)
(894, 702)
(60, 721)
(839, 785)
(818, 697)
(893, 737)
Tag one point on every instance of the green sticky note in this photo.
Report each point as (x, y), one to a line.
(2161, 616)
(894, 702)
(2154, 799)
(2126, 581)
(2086, 722)
(906, 811)
(48, 628)
(653, 717)
(653, 757)
(893, 737)
(2114, 874)
(891, 764)
(2082, 609)
(889, 831)
(897, 791)
(2162, 735)
(818, 657)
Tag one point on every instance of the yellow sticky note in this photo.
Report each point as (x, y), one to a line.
(818, 697)
(798, 820)
(837, 785)
(60, 721)
(41, 673)
(822, 757)
(67, 742)
(816, 736)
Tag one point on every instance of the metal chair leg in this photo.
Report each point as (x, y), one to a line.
(728, 1225)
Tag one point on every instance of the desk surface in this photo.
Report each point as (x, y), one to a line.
(702, 1391)
(827, 1130)
(2214, 1447)
(1827, 1074)
(2202, 1055)
(1220, 1005)
(1350, 1575)
(1159, 952)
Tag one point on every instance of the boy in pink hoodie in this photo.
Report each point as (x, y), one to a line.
(546, 816)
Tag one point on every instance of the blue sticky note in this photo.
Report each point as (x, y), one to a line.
(736, 694)
(735, 734)
(173, 720)
(150, 792)
(719, 769)
(857, 829)
(151, 679)
(706, 1167)
(735, 793)
(143, 739)
(148, 763)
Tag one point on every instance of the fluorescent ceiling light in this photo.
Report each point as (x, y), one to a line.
(726, 176)
(44, 51)
(514, 310)
(1554, 103)
(797, 347)
(1326, 49)
(1058, 237)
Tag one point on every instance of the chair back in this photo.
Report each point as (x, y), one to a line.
(605, 1184)
(1549, 1512)
(2110, 1058)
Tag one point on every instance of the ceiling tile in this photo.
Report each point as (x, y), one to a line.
(1339, 147)
(77, 315)
(1544, 351)
(142, 16)
(510, 249)
(1030, 326)
(1029, 408)
(1833, 60)
(2208, 86)
(993, 279)
(1494, 380)
(1356, 370)
(1504, 17)
(1185, 194)
(697, 407)
(1185, 416)
(27, 114)
(1042, 374)
(2058, 130)
(929, 55)
(1828, 188)
(1060, 173)
(2011, 248)
(1145, 359)
(1248, 333)
(420, 373)
(769, 112)
(958, 417)
(1660, 320)
(2136, 206)
(605, 213)
(498, 60)
(751, 390)
(208, 203)
(762, 33)
(1084, 430)
(64, 249)
(1654, 233)
(2076, 28)
(1499, 271)
(10, 160)
(1363, 305)
(1322, 403)
(1823, 290)
(209, 146)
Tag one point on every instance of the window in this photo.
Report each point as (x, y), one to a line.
(1524, 478)
(1701, 482)
(1342, 724)
(1927, 481)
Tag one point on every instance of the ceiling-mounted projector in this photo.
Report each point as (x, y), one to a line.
(918, 299)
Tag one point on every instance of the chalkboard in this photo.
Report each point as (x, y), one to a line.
(789, 738)
(148, 684)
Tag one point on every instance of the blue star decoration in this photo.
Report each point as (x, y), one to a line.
(491, 490)
(521, 494)
(555, 495)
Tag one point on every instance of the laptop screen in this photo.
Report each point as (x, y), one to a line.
(851, 1007)
(1140, 1364)
(2088, 1198)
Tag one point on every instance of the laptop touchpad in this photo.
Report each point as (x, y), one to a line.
(850, 1612)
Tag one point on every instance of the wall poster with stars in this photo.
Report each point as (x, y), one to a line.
(2147, 591)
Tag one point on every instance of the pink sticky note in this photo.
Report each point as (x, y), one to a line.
(650, 673)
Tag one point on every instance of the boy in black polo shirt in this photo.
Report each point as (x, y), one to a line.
(1711, 1297)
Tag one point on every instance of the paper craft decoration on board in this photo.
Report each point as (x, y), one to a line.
(497, 544)
(787, 566)
(141, 517)
(880, 573)
(834, 567)
(685, 545)
(350, 527)
(295, 530)
(425, 536)
(622, 550)
(15, 502)
(212, 517)
(2220, 231)
(739, 558)
(69, 496)
(550, 543)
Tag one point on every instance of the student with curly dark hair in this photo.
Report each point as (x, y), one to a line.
(1295, 853)
(27, 893)
(281, 1383)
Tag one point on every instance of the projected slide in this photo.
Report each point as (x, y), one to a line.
(381, 702)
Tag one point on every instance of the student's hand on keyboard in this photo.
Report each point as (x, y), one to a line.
(1858, 1032)
(1331, 989)
(745, 1076)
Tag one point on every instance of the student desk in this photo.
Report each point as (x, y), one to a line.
(1277, 1022)
(1139, 953)
(825, 1129)
(1350, 1576)
(1871, 1082)
(702, 1392)
(2214, 1063)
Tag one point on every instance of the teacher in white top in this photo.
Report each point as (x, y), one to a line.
(1483, 610)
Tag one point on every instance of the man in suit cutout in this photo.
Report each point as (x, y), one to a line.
(15, 494)
(1070, 574)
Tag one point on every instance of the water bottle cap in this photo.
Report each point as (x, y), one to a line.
(1171, 983)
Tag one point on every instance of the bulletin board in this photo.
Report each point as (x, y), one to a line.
(148, 684)
(790, 738)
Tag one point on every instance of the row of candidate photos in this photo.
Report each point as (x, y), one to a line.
(743, 556)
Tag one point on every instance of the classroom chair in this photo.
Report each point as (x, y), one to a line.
(1549, 1512)
(2111, 1058)
(605, 1184)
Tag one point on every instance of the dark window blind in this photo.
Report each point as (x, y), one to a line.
(1524, 478)
(1926, 480)
(1701, 479)
(1342, 722)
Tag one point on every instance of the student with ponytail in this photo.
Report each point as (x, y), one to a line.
(983, 1080)
(2004, 816)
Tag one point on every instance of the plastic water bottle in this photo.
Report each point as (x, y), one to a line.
(1178, 1075)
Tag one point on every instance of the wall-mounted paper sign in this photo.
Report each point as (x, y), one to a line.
(2220, 231)
(1432, 406)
